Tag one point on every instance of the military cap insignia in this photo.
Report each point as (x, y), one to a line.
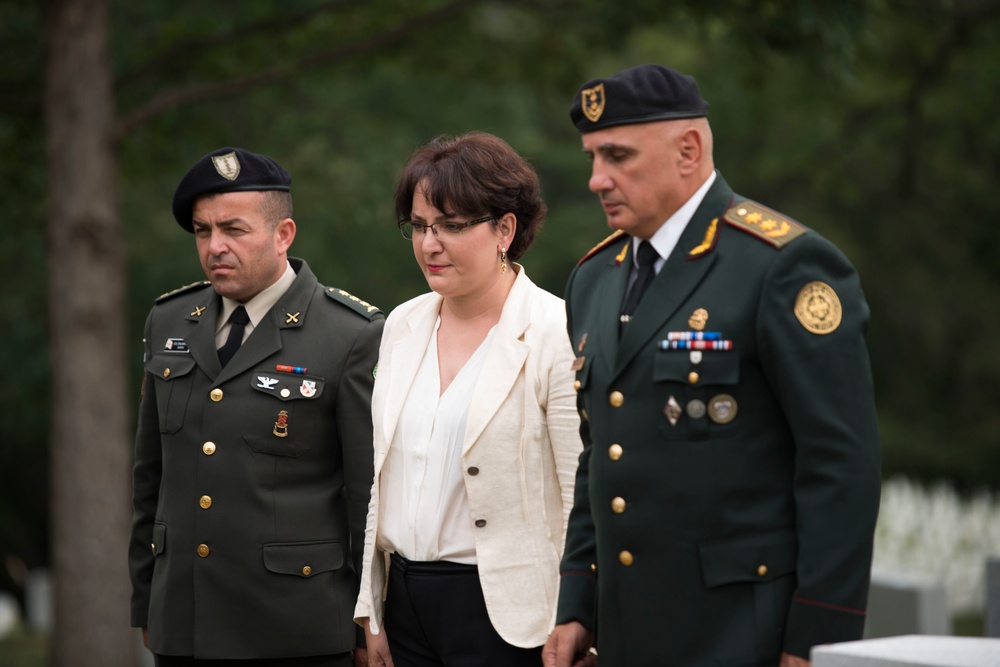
(181, 290)
(604, 244)
(592, 102)
(764, 223)
(818, 309)
(227, 165)
(352, 301)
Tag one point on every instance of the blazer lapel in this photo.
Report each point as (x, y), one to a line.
(612, 287)
(409, 343)
(202, 337)
(679, 277)
(504, 360)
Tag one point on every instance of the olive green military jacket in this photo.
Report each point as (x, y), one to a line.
(726, 497)
(251, 483)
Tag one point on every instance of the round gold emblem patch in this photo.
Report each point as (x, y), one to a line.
(817, 308)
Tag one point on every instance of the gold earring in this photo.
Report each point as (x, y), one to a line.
(503, 260)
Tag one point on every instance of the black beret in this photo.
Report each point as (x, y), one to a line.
(227, 170)
(639, 94)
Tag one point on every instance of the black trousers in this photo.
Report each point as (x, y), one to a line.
(338, 660)
(435, 616)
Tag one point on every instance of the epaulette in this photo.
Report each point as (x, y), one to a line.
(764, 223)
(604, 244)
(362, 307)
(201, 284)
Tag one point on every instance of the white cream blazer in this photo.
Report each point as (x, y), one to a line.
(523, 436)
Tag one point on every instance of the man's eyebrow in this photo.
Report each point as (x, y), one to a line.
(221, 223)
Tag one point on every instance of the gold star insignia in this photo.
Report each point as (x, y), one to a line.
(753, 218)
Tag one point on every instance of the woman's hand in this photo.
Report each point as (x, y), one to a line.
(378, 647)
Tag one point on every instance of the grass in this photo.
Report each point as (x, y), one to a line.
(22, 649)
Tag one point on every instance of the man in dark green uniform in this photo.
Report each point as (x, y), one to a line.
(727, 494)
(253, 460)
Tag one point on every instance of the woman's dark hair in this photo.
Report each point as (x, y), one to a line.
(476, 174)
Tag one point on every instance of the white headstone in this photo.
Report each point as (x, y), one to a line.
(38, 601)
(910, 651)
(906, 605)
(10, 614)
(993, 597)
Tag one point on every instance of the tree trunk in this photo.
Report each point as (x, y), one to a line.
(90, 445)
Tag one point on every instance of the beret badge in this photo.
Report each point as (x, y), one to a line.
(592, 102)
(227, 165)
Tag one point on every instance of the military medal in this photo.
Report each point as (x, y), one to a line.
(672, 411)
(722, 408)
(281, 426)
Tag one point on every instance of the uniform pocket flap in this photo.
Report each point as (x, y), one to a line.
(159, 538)
(170, 366)
(303, 559)
(287, 386)
(714, 367)
(753, 558)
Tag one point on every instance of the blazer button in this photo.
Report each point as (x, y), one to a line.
(166, 373)
(306, 571)
(616, 399)
(216, 395)
(577, 384)
(473, 470)
(205, 502)
(625, 558)
(203, 550)
(618, 505)
(208, 448)
(615, 452)
(480, 523)
(693, 377)
(762, 570)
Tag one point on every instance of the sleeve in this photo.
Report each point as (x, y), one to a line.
(820, 371)
(353, 415)
(578, 580)
(146, 474)
(563, 420)
(373, 570)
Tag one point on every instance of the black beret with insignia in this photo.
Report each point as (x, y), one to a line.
(227, 170)
(641, 94)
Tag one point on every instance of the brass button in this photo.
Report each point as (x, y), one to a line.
(306, 571)
(593, 567)
(473, 470)
(615, 452)
(166, 373)
(480, 523)
(693, 377)
(208, 448)
(203, 550)
(618, 505)
(762, 570)
(216, 395)
(625, 558)
(577, 384)
(154, 547)
(616, 399)
(205, 502)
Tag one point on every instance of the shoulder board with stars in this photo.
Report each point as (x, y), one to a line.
(348, 299)
(765, 224)
(602, 245)
(201, 284)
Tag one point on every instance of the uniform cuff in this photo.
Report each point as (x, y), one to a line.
(577, 597)
(812, 622)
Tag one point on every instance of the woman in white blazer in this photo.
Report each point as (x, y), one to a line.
(475, 425)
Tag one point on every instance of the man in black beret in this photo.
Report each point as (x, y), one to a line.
(253, 456)
(727, 494)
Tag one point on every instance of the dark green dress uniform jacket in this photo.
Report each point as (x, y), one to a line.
(251, 484)
(746, 528)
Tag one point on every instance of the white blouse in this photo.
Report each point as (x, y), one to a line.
(424, 512)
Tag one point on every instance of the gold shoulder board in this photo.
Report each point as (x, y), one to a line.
(353, 302)
(200, 284)
(602, 245)
(764, 223)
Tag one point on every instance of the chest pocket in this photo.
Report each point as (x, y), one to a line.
(684, 389)
(714, 368)
(284, 412)
(173, 377)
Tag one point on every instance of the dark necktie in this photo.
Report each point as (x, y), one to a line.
(238, 320)
(646, 258)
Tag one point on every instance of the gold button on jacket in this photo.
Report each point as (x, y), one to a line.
(205, 502)
(616, 399)
(625, 558)
(203, 550)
